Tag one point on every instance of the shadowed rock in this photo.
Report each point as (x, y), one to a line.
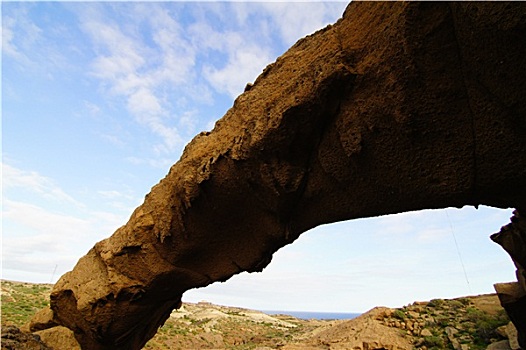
(15, 339)
(396, 107)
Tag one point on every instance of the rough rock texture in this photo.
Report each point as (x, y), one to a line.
(396, 107)
(15, 339)
(53, 335)
(512, 238)
(59, 338)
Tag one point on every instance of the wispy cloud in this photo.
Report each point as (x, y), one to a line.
(58, 230)
(176, 64)
(30, 45)
(18, 33)
(43, 221)
(249, 36)
(294, 21)
(143, 72)
(244, 64)
(35, 238)
(122, 201)
(32, 181)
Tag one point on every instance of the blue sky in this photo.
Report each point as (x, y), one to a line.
(99, 99)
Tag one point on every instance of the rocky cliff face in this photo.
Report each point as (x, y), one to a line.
(396, 107)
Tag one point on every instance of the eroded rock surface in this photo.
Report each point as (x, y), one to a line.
(512, 238)
(396, 107)
(15, 339)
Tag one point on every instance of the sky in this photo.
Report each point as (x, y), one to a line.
(99, 99)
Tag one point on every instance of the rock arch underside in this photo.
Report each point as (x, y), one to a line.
(396, 107)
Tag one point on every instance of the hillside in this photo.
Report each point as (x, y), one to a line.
(463, 323)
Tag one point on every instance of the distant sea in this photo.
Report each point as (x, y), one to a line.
(307, 315)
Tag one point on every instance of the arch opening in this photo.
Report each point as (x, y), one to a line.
(391, 261)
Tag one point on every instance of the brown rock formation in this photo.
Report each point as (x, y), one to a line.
(396, 107)
(15, 339)
(512, 238)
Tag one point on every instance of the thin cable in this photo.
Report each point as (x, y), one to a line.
(53, 275)
(458, 252)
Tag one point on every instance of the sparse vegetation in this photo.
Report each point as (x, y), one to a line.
(20, 301)
(399, 314)
(435, 303)
(434, 342)
(485, 325)
(433, 325)
(445, 324)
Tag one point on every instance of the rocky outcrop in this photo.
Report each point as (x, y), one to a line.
(456, 323)
(512, 238)
(361, 333)
(396, 107)
(460, 324)
(15, 339)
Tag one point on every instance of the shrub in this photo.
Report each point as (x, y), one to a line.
(486, 327)
(442, 321)
(433, 341)
(474, 314)
(435, 302)
(456, 304)
(399, 314)
(465, 301)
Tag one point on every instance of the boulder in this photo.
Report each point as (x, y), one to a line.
(15, 339)
(59, 338)
(426, 333)
(500, 345)
(511, 333)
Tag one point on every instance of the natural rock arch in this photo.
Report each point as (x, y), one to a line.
(396, 107)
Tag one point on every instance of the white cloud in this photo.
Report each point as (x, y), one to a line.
(145, 74)
(65, 220)
(295, 21)
(178, 55)
(237, 56)
(120, 66)
(145, 105)
(34, 239)
(8, 45)
(111, 194)
(251, 35)
(244, 65)
(38, 219)
(28, 42)
(19, 35)
(162, 63)
(33, 181)
(59, 228)
(159, 163)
